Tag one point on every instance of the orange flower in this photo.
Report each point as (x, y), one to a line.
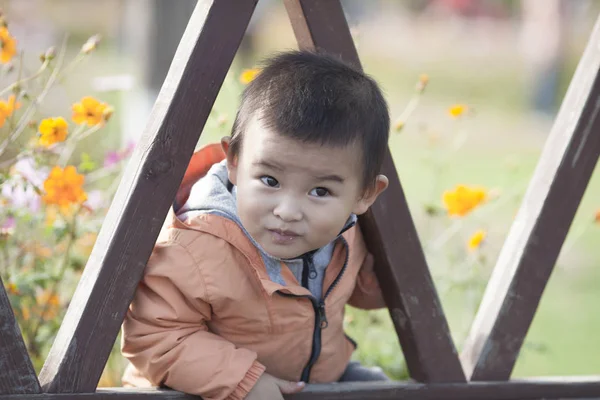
(53, 130)
(457, 110)
(63, 187)
(597, 217)
(463, 199)
(90, 111)
(476, 239)
(8, 45)
(8, 107)
(48, 301)
(25, 312)
(248, 75)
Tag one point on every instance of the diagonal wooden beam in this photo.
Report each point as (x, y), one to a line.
(144, 196)
(17, 375)
(388, 228)
(535, 239)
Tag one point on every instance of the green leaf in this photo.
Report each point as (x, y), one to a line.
(87, 164)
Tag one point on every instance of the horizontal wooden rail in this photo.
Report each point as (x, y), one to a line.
(526, 389)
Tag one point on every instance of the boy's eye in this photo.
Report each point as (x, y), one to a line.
(269, 181)
(319, 192)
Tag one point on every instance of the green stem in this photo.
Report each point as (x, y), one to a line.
(20, 81)
(11, 118)
(25, 118)
(71, 65)
(57, 281)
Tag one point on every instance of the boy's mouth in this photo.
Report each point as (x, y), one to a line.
(280, 236)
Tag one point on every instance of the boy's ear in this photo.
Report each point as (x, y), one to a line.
(363, 204)
(231, 160)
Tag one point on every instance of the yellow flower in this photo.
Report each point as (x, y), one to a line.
(8, 45)
(457, 110)
(7, 108)
(90, 111)
(463, 199)
(476, 239)
(248, 75)
(63, 187)
(53, 130)
(12, 288)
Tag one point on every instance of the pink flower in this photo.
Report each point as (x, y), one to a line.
(27, 169)
(115, 157)
(111, 158)
(8, 225)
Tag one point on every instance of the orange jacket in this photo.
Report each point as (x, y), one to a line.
(208, 320)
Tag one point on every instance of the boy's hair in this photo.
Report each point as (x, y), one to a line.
(317, 98)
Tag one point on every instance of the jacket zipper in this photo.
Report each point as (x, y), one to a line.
(320, 317)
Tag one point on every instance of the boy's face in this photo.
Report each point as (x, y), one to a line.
(294, 197)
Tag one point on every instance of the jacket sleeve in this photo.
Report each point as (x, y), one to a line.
(166, 338)
(367, 293)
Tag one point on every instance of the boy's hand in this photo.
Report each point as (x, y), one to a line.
(270, 388)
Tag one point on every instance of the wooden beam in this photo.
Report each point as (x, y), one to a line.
(17, 375)
(535, 239)
(530, 389)
(388, 228)
(146, 192)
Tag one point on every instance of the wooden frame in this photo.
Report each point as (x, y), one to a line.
(90, 327)
(537, 235)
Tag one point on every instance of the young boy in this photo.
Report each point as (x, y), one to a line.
(244, 294)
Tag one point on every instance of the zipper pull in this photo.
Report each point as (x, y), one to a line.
(312, 270)
(322, 316)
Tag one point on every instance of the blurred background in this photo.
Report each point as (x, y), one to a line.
(473, 87)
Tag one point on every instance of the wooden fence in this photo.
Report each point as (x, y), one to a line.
(90, 327)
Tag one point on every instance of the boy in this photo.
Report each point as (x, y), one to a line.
(244, 294)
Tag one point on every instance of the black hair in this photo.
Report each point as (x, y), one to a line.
(317, 98)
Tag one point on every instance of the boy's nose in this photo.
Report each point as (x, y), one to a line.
(288, 210)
